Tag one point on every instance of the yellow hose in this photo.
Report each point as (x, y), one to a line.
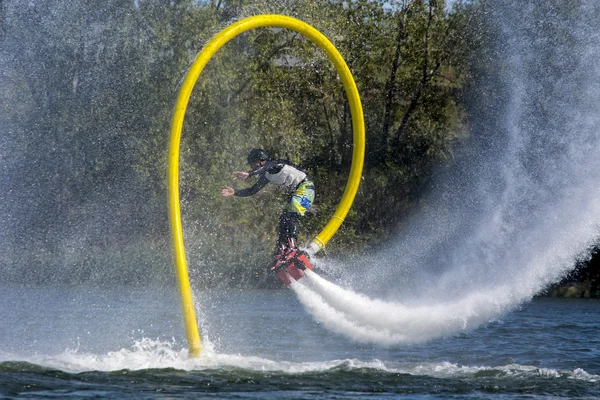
(185, 91)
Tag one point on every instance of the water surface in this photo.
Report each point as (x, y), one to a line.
(123, 343)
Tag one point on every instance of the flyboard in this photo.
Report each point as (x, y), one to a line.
(291, 264)
(294, 270)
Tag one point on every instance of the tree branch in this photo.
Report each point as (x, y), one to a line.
(392, 81)
(234, 96)
(428, 75)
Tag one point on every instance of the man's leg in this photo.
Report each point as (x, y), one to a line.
(298, 203)
(288, 230)
(286, 241)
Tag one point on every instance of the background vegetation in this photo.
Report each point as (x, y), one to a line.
(87, 92)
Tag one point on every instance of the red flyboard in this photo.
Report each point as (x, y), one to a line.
(291, 268)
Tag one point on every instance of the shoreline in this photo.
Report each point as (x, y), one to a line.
(587, 289)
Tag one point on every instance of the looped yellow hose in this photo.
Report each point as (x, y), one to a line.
(185, 91)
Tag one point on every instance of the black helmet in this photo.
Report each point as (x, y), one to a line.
(257, 155)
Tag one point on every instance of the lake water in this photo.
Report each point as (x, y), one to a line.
(61, 342)
(449, 313)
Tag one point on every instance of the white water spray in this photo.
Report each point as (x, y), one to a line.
(389, 323)
(513, 214)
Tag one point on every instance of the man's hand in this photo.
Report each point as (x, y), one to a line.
(228, 191)
(241, 175)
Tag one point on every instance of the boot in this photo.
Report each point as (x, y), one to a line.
(302, 260)
(289, 252)
(279, 257)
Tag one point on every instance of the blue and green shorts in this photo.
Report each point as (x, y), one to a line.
(301, 200)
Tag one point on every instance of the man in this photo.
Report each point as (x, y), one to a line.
(281, 173)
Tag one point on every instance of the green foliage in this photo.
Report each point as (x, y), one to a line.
(113, 80)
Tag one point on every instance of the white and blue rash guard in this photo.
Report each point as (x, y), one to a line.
(278, 172)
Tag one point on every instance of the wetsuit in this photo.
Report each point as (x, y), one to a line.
(302, 193)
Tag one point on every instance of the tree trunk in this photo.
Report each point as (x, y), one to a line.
(425, 79)
(381, 147)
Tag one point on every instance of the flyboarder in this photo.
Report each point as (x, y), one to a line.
(301, 196)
